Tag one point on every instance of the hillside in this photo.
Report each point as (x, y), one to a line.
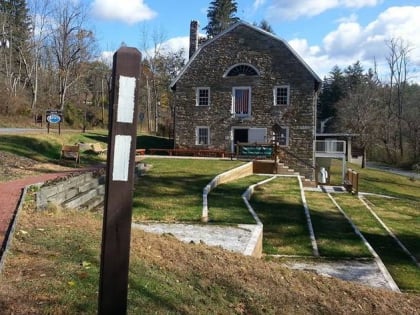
(53, 268)
(54, 261)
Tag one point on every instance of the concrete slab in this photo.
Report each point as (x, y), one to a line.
(236, 239)
(365, 272)
(233, 238)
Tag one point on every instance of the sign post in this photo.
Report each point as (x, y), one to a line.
(116, 231)
(54, 117)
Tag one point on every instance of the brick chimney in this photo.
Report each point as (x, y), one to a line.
(193, 37)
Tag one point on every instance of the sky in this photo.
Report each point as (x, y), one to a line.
(325, 33)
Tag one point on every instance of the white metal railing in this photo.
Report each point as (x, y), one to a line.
(330, 146)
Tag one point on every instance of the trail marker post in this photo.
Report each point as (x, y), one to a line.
(116, 231)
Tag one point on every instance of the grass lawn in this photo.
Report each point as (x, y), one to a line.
(172, 189)
(380, 182)
(45, 147)
(225, 202)
(53, 268)
(405, 273)
(402, 217)
(278, 205)
(334, 234)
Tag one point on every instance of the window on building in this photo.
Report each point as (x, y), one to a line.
(281, 95)
(241, 70)
(281, 135)
(241, 106)
(203, 96)
(202, 136)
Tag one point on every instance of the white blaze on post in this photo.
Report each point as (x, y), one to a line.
(127, 86)
(121, 158)
(125, 114)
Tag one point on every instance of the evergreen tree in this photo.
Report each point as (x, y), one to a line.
(265, 26)
(355, 75)
(221, 15)
(15, 24)
(333, 90)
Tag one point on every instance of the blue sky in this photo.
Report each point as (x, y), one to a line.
(324, 32)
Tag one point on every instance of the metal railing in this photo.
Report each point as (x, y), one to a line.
(330, 146)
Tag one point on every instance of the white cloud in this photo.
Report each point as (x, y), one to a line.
(176, 43)
(258, 3)
(346, 38)
(352, 18)
(128, 11)
(293, 9)
(107, 57)
(351, 42)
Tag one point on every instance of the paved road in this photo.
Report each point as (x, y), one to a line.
(21, 130)
(394, 170)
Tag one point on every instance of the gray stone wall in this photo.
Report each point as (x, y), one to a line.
(84, 191)
(277, 66)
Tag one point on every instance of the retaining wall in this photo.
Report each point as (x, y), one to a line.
(84, 191)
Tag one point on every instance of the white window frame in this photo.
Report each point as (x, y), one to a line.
(234, 89)
(197, 96)
(197, 135)
(275, 91)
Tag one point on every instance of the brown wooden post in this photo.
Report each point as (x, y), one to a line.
(355, 182)
(113, 282)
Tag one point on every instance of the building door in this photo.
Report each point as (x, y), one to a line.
(249, 135)
(240, 135)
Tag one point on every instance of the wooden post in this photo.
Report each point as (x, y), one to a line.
(113, 282)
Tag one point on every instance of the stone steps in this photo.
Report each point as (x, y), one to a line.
(270, 167)
(83, 200)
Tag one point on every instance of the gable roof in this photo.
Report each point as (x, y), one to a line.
(232, 27)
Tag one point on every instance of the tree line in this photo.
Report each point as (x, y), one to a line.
(49, 60)
(382, 112)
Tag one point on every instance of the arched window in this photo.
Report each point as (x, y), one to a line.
(241, 70)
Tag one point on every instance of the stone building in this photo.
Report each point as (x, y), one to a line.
(246, 85)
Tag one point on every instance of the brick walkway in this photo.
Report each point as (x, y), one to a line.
(10, 194)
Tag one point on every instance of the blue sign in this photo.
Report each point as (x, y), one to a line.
(53, 118)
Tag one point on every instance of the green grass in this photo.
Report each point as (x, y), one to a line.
(278, 205)
(226, 204)
(334, 234)
(172, 189)
(402, 217)
(380, 182)
(47, 147)
(405, 273)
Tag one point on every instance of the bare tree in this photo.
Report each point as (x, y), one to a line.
(37, 43)
(71, 44)
(152, 49)
(398, 66)
(358, 113)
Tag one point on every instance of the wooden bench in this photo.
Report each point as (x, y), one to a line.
(96, 148)
(351, 181)
(70, 152)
